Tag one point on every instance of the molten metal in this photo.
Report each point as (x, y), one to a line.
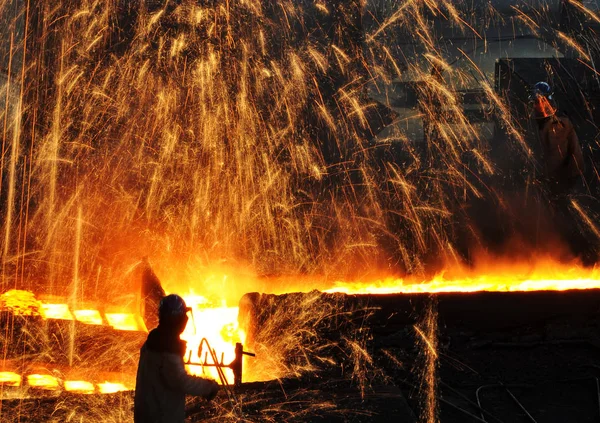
(40, 381)
(79, 386)
(125, 321)
(90, 317)
(111, 388)
(56, 311)
(10, 379)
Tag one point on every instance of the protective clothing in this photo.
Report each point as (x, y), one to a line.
(162, 381)
(563, 158)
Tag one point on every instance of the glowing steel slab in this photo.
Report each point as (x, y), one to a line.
(42, 381)
(10, 379)
(90, 317)
(79, 386)
(111, 388)
(123, 321)
(503, 277)
(56, 311)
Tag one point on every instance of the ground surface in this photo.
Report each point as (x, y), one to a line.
(544, 369)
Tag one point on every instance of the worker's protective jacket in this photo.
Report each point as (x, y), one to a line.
(562, 153)
(162, 381)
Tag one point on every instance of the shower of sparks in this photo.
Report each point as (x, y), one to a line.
(428, 339)
(236, 136)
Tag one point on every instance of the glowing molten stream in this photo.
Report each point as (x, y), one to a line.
(219, 326)
(499, 277)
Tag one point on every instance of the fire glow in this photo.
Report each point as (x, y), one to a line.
(125, 321)
(219, 326)
(545, 275)
(79, 386)
(42, 381)
(91, 317)
(10, 379)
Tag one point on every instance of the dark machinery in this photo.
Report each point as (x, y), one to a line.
(236, 365)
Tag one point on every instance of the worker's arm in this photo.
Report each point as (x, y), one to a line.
(176, 378)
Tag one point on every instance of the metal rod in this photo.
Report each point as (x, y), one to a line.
(477, 405)
(479, 401)
(519, 404)
(473, 416)
(230, 395)
(445, 401)
(501, 385)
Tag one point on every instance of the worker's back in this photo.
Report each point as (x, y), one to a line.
(562, 153)
(155, 400)
(162, 381)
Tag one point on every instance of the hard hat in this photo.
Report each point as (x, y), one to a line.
(543, 88)
(173, 305)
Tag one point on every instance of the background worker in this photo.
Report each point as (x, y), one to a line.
(162, 381)
(562, 155)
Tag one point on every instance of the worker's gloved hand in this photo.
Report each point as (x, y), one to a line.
(213, 391)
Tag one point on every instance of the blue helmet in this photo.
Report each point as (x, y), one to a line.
(172, 305)
(543, 88)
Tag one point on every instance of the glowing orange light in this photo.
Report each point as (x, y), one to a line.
(20, 302)
(56, 311)
(111, 387)
(42, 381)
(544, 276)
(124, 321)
(219, 326)
(91, 317)
(79, 386)
(10, 379)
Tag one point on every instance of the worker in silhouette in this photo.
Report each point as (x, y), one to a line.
(162, 381)
(563, 167)
(562, 155)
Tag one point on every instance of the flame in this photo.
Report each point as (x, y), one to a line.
(10, 379)
(42, 381)
(91, 317)
(220, 327)
(79, 386)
